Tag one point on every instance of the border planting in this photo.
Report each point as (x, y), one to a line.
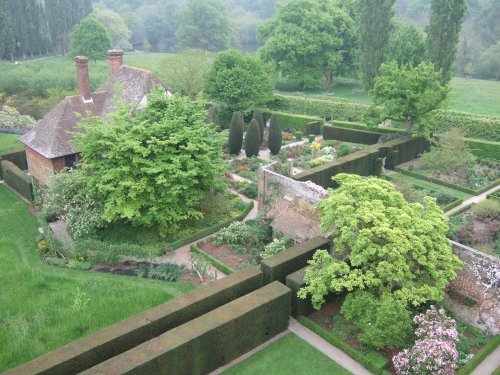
(480, 356)
(373, 361)
(118, 338)
(224, 268)
(211, 340)
(208, 231)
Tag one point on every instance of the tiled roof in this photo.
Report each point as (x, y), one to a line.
(51, 137)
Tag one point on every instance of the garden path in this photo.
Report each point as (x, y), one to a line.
(489, 365)
(475, 199)
(326, 348)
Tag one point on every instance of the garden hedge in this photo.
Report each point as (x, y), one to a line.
(480, 356)
(484, 149)
(210, 230)
(18, 158)
(473, 126)
(294, 121)
(313, 127)
(279, 266)
(350, 135)
(339, 109)
(224, 268)
(211, 340)
(365, 127)
(372, 361)
(120, 337)
(447, 184)
(17, 179)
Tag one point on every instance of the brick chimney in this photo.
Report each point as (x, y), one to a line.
(82, 75)
(115, 60)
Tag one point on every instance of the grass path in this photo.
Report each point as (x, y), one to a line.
(9, 143)
(44, 307)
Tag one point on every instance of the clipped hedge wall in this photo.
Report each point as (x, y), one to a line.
(365, 127)
(290, 120)
(350, 135)
(224, 268)
(473, 126)
(339, 109)
(208, 231)
(17, 179)
(120, 337)
(313, 127)
(484, 149)
(372, 361)
(279, 266)
(209, 341)
(364, 162)
(480, 356)
(18, 158)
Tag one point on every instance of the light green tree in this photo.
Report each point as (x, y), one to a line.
(408, 94)
(309, 40)
(152, 167)
(239, 82)
(443, 33)
(406, 46)
(90, 38)
(186, 71)
(116, 26)
(204, 24)
(381, 244)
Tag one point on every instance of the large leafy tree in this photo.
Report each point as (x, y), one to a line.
(408, 94)
(443, 33)
(153, 167)
(407, 45)
(90, 38)
(374, 18)
(381, 244)
(309, 40)
(204, 24)
(116, 26)
(239, 81)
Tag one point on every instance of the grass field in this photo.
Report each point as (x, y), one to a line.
(288, 355)
(9, 143)
(44, 307)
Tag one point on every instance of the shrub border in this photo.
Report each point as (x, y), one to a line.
(447, 184)
(224, 268)
(342, 345)
(480, 356)
(210, 230)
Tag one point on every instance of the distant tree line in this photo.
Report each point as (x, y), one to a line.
(35, 27)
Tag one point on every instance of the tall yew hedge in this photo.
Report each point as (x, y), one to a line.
(236, 134)
(275, 137)
(252, 140)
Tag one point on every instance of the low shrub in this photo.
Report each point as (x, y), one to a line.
(311, 138)
(343, 150)
(487, 209)
(236, 233)
(273, 248)
(167, 272)
(298, 136)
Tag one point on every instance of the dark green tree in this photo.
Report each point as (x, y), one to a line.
(91, 39)
(443, 33)
(239, 82)
(252, 140)
(374, 28)
(275, 136)
(236, 134)
(407, 45)
(257, 115)
(204, 24)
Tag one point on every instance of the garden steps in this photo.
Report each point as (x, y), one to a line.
(474, 199)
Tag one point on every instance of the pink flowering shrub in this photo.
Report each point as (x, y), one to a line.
(435, 349)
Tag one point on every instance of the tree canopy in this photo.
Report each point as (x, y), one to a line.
(152, 167)
(90, 38)
(309, 40)
(115, 25)
(239, 81)
(381, 244)
(409, 94)
(407, 45)
(204, 24)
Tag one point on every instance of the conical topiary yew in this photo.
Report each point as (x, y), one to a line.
(252, 140)
(257, 115)
(275, 136)
(236, 134)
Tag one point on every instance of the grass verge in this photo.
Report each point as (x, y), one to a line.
(9, 143)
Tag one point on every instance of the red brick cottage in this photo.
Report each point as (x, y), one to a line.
(48, 145)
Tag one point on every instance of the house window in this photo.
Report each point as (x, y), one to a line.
(70, 160)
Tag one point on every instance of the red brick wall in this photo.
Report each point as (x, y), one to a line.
(39, 166)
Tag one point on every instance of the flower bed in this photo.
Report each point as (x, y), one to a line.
(478, 176)
(247, 168)
(478, 227)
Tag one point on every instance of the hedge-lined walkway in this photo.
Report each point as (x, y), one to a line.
(474, 199)
(489, 365)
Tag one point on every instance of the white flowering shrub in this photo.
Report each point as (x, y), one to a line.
(273, 248)
(234, 234)
(10, 118)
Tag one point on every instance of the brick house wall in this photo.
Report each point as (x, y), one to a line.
(42, 168)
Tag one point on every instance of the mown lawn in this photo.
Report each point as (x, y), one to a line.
(288, 355)
(44, 307)
(9, 143)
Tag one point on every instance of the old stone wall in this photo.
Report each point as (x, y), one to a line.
(477, 281)
(274, 186)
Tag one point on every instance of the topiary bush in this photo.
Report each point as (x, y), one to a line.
(236, 134)
(275, 136)
(257, 115)
(252, 140)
